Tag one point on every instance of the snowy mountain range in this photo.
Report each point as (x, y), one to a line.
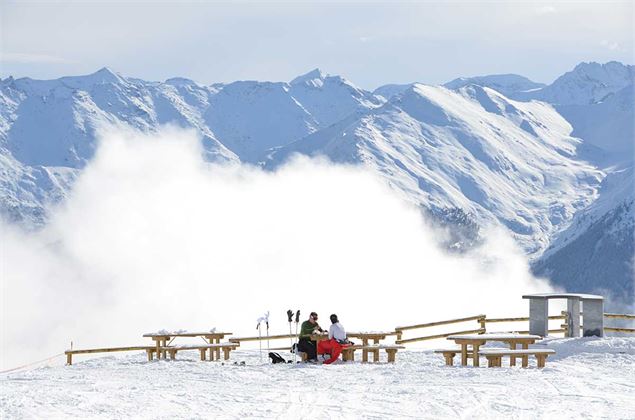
(551, 163)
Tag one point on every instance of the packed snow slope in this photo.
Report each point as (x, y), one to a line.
(474, 149)
(587, 378)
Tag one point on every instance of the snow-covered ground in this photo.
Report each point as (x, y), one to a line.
(588, 378)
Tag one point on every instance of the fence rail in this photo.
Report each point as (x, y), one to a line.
(619, 316)
(623, 330)
(434, 324)
(262, 338)
(483, 320)
(432, 337)
(524, 318)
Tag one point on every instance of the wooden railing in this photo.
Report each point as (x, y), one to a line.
(562, 328)
(400, 330)
(261, 338)
(610, 329)
(620, 316)
(482, 321)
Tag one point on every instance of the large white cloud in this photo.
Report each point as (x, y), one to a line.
(152, 237)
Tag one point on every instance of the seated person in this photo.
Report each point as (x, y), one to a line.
(305, 344)
(336, 342)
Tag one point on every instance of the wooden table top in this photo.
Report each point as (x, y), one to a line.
(494, 337)
(371, 334)
(188, 334)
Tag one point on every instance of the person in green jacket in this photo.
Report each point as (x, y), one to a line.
(305, 344)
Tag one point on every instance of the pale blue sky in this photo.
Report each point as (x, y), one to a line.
(370, 43)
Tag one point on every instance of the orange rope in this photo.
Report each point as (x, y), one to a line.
(31, 364)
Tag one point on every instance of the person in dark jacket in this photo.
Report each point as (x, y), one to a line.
(305, 344)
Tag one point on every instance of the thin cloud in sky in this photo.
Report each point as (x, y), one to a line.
(369, 42)
(544, 10)
(29, 58)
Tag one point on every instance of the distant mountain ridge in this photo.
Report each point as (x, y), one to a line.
(507, 84)
(499, 160)
(496, 149)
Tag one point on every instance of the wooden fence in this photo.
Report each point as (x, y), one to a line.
(477, 318)
(482, 321)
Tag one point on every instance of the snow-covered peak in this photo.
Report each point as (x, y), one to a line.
(613, 72)
(499, 160)
(390, 90)
(587, 83)
(507, 84)
(424, 103)
(180, 81)
(313, 78)
(101, 76)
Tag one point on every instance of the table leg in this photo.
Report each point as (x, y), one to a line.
(165, 353)
(463, 354)
(541, 360)
(512, 358)
(158, 352)
(525, 358)
(217, 341)
(475, 357)
(364, 351)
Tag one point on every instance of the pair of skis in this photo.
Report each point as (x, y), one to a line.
(297, 320)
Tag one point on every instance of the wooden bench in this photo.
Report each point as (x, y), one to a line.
(173, 350)
(69, 353)
(348, 353)
(495, 356)
(449, 354)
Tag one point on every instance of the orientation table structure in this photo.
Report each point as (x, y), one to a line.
(592, 313)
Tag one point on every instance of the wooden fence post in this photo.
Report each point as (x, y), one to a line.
(567, 323)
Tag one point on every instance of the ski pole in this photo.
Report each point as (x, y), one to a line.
(259, 340)
(267, 323)
(290, 317)
(297, 320)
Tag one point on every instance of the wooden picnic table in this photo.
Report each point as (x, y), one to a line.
(477, 340)
(375, 336)
(162, 339)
